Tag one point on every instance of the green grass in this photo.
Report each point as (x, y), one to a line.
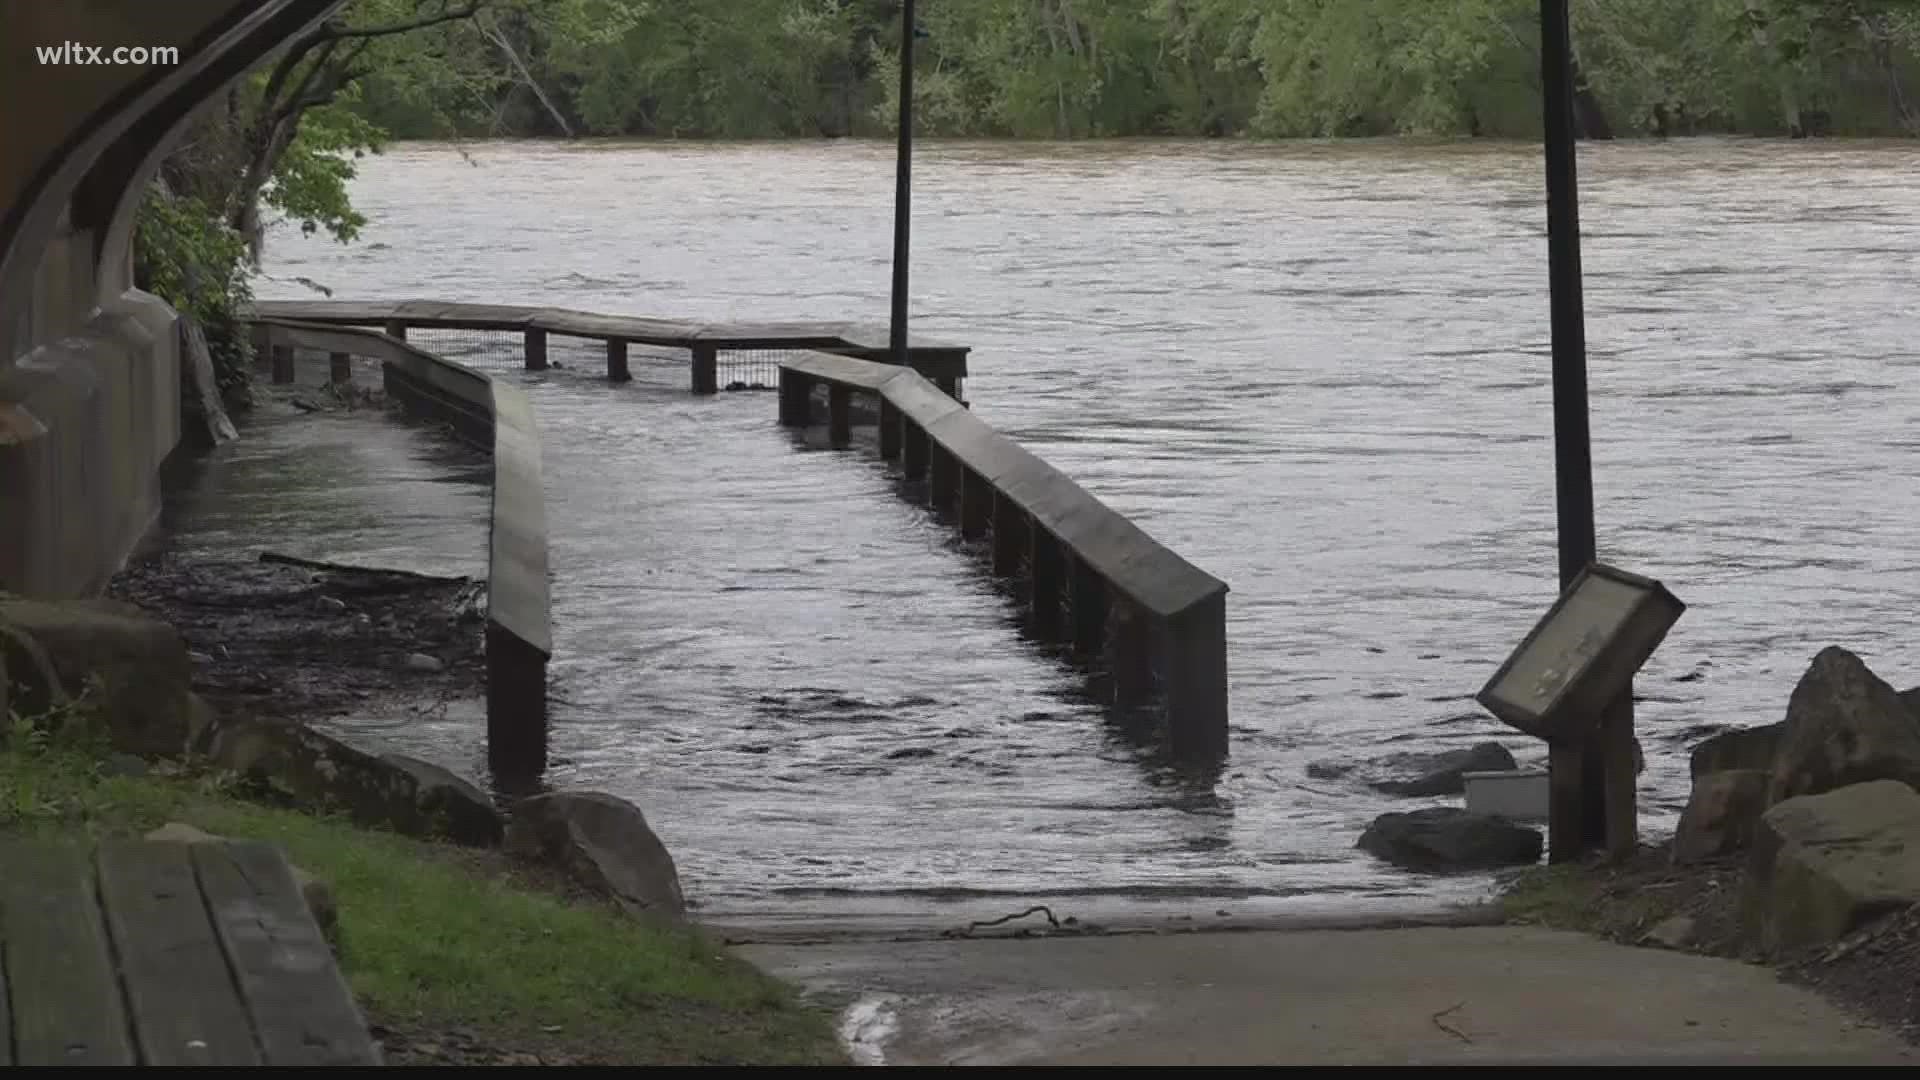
(444, 938)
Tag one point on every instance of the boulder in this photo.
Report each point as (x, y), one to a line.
(1912, 700)
(1673, 932)
(1419, 775)
(604, 844)
(466, 813)
(1844, 726)
(320, 772)
(1739, 749)
(135, 666)
(1722, 815)
(1823, 865)
(1444, 838)
(317, 893)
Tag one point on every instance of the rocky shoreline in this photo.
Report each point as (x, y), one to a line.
(272, 640)
(1799, 850)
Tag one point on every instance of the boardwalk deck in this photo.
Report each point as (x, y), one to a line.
(868, 343)
(148, 953)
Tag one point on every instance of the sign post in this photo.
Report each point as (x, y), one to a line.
(1562, 685)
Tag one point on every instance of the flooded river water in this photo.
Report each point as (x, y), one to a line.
(1318, 371)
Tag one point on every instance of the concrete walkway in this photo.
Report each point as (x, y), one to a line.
(1433, 995)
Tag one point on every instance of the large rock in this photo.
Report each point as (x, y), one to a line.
(601, 842)
(1844, 726)
(1823, 865)
(1444, 838)
(1722, 815)
(320, 772)
(462, 811)
(1741, 748)
(315, 891)
(1417, 775)
(135, 666)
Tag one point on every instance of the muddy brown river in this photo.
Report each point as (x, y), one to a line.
(1319, 371)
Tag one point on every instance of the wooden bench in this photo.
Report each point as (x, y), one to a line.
(153, 953)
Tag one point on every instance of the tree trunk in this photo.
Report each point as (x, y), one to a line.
(499, 38)
(264, 151)
(1589, 117)
(1789, 97)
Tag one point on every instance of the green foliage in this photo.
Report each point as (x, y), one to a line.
(185, 253)
(1077, 68)
(309, 185)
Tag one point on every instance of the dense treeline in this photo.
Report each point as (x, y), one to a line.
(1079, 68)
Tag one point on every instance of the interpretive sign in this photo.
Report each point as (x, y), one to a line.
(1582, 654)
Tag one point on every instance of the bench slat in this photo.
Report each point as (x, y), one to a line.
(66, 1004)
(186, 1009)
(300, 1005)
(6, 1018)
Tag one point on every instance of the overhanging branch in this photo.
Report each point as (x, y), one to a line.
(466, 11)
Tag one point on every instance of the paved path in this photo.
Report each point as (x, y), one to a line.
(1453, 995)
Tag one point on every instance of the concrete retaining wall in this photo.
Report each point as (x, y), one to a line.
(90, 371)
(497, 418)
(87, 418)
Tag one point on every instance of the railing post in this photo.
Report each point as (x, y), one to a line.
(889, 430)
(796, 398)
(617, 370)
(536, 349)
(1087, 597)
(943, 482)
(516, 706)
(976, 503)
(262, 345)
(397, 329)
(913, 449)
(1044, 584)
(1197, 680)
(1009, 534)
(339, 368)
(706, 369)
(1129, 653)
(283, 363)
(839, 415)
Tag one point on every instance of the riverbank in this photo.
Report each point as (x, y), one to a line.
(457, 956)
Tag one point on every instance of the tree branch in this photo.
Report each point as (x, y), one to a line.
(467, 11)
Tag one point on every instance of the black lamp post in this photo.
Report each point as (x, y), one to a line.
(903, 176)
(1573, 457)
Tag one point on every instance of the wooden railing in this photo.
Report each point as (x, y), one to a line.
(943, 363)
(496, 417)
(1155, 623)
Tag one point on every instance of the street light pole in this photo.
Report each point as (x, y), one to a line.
(902, 183)
(1573, 456)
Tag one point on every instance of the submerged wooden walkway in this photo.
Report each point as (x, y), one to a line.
(157, 953)
(1149, 626)
(943, 363)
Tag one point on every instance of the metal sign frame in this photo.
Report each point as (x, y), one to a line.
(1573, 714)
